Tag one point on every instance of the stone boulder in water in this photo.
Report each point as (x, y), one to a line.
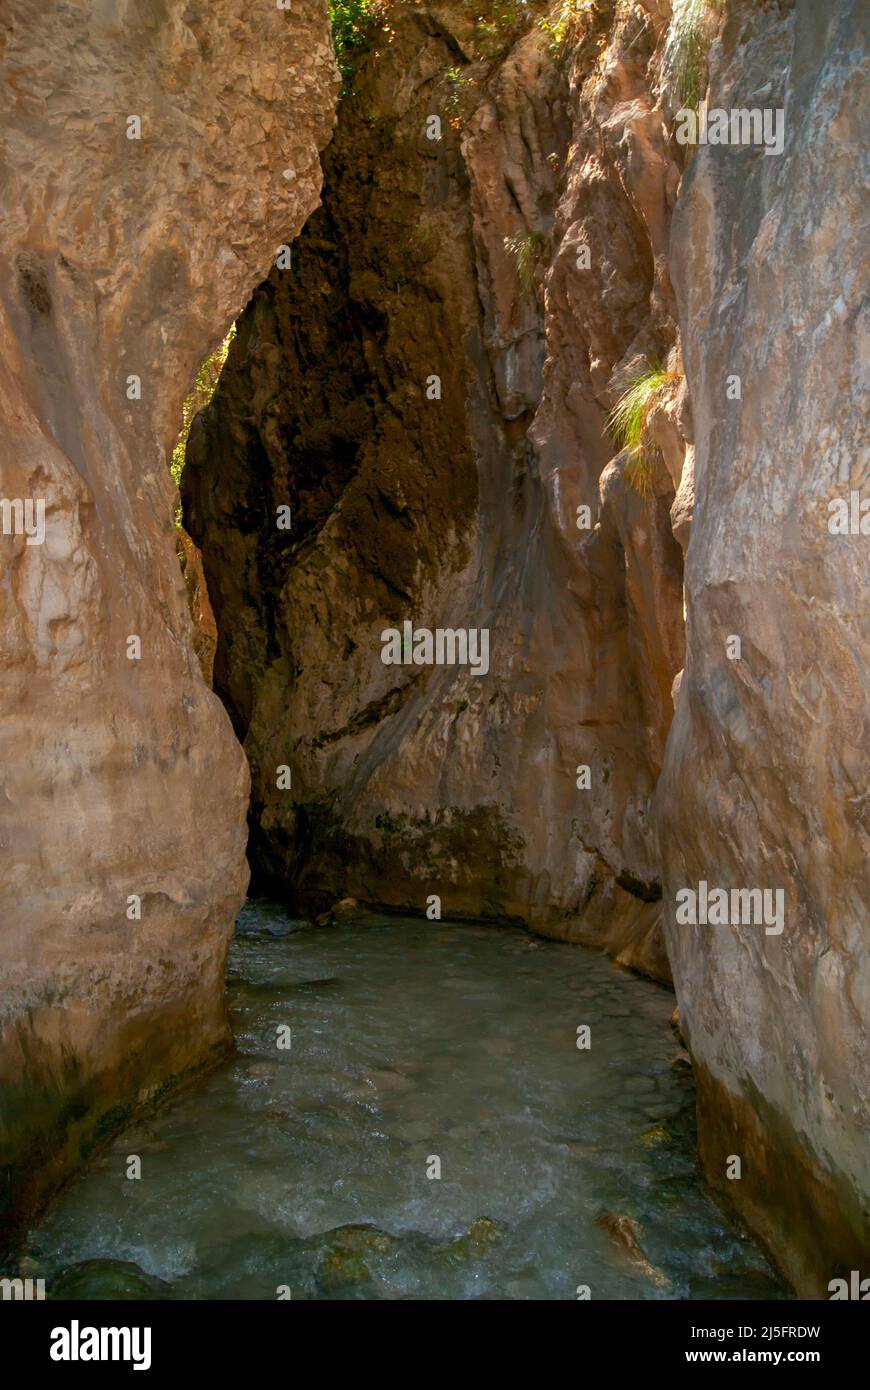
(97, 1280)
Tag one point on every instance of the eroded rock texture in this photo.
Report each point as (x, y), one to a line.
(122, 257)
(462, 512)
(765, 783)
(459, 512)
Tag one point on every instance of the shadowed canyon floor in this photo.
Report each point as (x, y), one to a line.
(307, 1167)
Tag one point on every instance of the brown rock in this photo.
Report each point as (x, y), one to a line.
(205, 627)
(123, 787)
(459, 512)
(765, 780)
(341, 911)
(624, 1234)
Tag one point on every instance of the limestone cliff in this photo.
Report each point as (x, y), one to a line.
(154, 155)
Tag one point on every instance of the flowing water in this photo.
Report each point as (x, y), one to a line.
(306, 1169)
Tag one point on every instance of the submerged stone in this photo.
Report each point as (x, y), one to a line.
(352, 1254)
(476, 1242)
(656, 1134)
(624, 1233)
(107, 1280)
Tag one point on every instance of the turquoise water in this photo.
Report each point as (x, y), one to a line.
(307, 1169)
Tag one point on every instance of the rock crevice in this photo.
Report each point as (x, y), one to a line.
(455, 505)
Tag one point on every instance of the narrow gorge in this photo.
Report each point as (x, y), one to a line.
(522, 609)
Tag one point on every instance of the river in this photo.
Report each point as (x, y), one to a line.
(309, 1170)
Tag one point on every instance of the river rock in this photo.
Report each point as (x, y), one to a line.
(341, 912)
(109, 1280)
(624, 1234)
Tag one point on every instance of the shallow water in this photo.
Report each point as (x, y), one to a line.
(307, 1168)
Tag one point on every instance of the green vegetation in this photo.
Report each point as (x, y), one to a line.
(207, 379)
(457, 83)
(352, 23)
(496, 23)
(559, 26)
(628, 419)
(686, 65)
(527, 249)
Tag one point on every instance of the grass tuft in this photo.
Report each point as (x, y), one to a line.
(628, 420)
(686, 74)
(528, 250)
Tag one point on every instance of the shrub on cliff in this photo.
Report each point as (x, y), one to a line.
(352, 22)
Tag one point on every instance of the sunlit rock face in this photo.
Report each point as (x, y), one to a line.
(458, 258)
(124, 789)
(765, 782)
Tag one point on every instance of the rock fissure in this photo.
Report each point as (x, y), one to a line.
(533, 368)
(587, 627)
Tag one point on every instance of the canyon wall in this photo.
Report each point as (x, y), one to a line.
(154, 155)
(545, 246)
(426, 386)
(765, 780)
(455, 504)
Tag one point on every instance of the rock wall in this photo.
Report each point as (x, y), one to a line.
(463, 512)
(765, 781)
(459, 512)
(121, 780)
(547, 243)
